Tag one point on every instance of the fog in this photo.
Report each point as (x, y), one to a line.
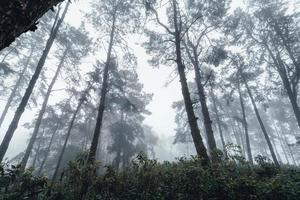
(166, 122)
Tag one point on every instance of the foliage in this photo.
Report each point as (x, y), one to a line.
(149, 179)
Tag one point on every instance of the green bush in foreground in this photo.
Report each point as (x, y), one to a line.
(147, 179)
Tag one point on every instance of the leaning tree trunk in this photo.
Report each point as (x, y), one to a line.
(42, 112)
(18, 17)
(17, 85)
(281, 144)
(281, 69)
(218, 120)
(206, 117)
(47, 150)
(195, 132)
(262, 126)
(284, 139)
(95, 140)
(245, 124)
(37, 150)
(67, 139)
(14, 123)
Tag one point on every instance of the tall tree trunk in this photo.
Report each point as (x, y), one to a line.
(17, 85)
(292, 96)
(285, 141)
(245, 125)
(241, 137)
(15, 121)
(47, 150)
(67, 139)
(281, 144)
(57, 126)
(262, 126)
(42, 112)
(275, 149)
(37, 150)
(206, 117)
(195, 132)
(218, 119)
(287, 47)
(18, 17)
(238, 137)
(281, 69)
(202, 97)
(97, 131)
(118, 159)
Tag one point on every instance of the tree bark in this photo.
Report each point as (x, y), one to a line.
(195, 132)
(42, 112)
(245, 124)
(97, 131)
(262, 126)
(14, 123)
(17, 85)
(18, 17)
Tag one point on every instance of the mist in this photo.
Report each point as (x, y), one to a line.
(108, 85)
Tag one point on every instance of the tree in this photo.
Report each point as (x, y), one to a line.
(75, 47)
(263, 128)
(175, 37)
(122, 16)
(14, 123)
(206, 17)
(33, 44)
(128, 103)
(273, 32)
(82, 99)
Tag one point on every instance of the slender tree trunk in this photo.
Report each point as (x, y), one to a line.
(206, 117)
(18, 17)
(245, 125)
(239, 139)
(275, 149)
(202, 97)
(66, 140)
(240, 131)
(118, 158)
(17, 85)
(47, 150)
(285, 142)
(287, 47)
(280, 67)
(97, 131)
(218, 119)
(281, 144)
(261, 124)
(14, 123)
(42, 112)
(292, 96)
(37, 151)
(195, 132)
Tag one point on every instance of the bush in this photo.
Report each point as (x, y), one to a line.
(148, 179)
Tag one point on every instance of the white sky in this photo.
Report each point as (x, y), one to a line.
(154, 80)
